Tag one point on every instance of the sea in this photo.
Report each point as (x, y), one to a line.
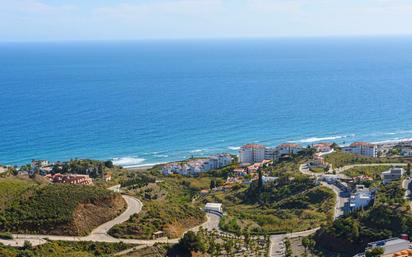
(153, 101)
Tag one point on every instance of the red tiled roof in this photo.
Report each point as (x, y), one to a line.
(290, 145)
(253, 146)
(355, 144)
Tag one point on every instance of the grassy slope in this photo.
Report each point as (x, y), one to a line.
(167, 207)
(297, 212)
(371, 171)
(66, 249)
(10, 189)
(340, 159)
(56, 208)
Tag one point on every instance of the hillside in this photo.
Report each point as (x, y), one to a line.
(389, 216)
(292, 203)
(167, 207)
(60, 209)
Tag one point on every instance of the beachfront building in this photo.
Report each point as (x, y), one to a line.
(39, 163)
(362, 148)
(392, 174)
(271, 154)
(323, 147)
(288, 149)
(195, 166)
(360, 198)
(251, 153)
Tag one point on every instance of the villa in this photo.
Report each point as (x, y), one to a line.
(323, 147)
(70, 179)
(360, 198)
(362, 148)
(392, 174)
(288, 149)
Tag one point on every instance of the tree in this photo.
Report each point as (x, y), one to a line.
(260, 182)
(212, 184)
(374, 252)
(108, 164)
(408, 169)
(27, 245)
(191, 242)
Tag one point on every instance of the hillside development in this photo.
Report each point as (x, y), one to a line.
(58, 209)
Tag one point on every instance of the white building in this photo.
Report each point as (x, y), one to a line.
(251, 153)
(323, 147)
(360, 198)
(406, 151)
(192, 167)
(392, 174)
(362, 148)
(267, 179)
(390, 246)
(287, 149)
(271, 154)
(213, 207)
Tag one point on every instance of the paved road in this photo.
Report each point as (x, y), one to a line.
(133, 206)
(347, 167)
(100, 233)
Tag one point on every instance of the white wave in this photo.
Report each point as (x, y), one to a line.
(393, 140)
(318, 139)
(127, 161)
(148, 165)
(197, 151)
(161, 155)
(234, 148)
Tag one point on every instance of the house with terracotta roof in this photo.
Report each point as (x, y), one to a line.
(323, 147)
(362, 148)
(74, 179)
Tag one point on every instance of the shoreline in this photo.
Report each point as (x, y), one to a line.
(230, 149)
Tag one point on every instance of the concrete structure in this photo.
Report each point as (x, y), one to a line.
(271, 154)
(288, 149)
(362, 148)
(390, 246)
(251, 153)
(392, 174)
(267, 179)
(213, 207)
(360, 198)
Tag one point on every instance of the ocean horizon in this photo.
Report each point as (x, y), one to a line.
(148, 102)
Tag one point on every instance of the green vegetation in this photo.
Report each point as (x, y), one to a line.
(211, 243)
(388, 217)
(371, 171)
(293, 203)
(167, 207)
(12, 188)
(6, 235)
(64, 249)
(339, 159)
(55, 208)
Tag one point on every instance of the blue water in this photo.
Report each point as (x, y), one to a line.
(155, 101)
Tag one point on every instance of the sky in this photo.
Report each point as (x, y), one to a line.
(44, 20)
